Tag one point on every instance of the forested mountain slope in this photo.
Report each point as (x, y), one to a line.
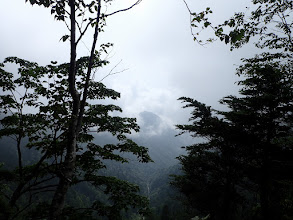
(152, 178)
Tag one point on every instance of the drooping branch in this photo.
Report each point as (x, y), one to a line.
(194, 35)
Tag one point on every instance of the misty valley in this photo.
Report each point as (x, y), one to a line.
(152, 178)
(84, 137)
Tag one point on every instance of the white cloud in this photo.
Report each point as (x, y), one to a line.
(154, 42)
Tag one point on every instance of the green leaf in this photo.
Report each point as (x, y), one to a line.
(64, 38)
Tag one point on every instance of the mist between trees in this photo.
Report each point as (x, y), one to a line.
(73, 155)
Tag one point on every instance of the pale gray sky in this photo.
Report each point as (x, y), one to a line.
(154, 42)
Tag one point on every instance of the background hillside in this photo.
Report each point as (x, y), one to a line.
(152, 178)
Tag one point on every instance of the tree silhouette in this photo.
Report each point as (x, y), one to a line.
(56, 107)
(244, 146)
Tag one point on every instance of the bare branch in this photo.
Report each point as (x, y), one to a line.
(47, 190)
(187, 7)
(113, 73)
(98, 68)
(18, 93)
(29, 188)
(67, 25)
(23, 209)
(82, 19)
(12, 137)
(79, 27)
(126, 9)
(44, 187)
(86, 46)
(83, 32)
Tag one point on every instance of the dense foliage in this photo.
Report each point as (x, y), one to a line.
(36, 106)
(242, 168)
(246, 158)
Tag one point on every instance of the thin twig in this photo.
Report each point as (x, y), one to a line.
(44, 187)
(48, 190)
(29, 188)
(18, 92)
(67, 25)
(191, 29)
(83, 32)
(97, 69)
(24, 208)
(113, 73)
(187, 7)
(79, 27)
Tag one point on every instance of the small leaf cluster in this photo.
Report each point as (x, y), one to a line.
(271, 21)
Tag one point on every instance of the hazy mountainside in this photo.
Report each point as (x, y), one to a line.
(157, 136)
(153, 178)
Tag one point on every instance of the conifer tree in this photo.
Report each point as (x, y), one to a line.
(248, 144)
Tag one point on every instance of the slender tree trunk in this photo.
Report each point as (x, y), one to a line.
(64, 182)
(19, 156)
(17, 192)
(76, 117)
(70, 158)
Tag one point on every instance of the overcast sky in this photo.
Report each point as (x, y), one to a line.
(154, 42)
